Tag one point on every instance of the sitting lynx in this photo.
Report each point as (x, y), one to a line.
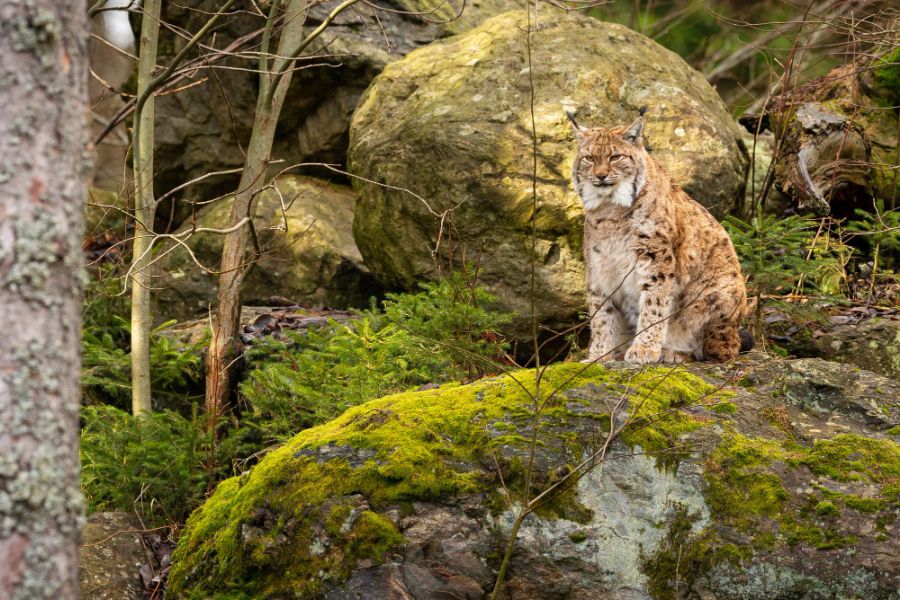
(661, 271)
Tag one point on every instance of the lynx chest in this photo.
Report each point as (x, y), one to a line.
(611, 264)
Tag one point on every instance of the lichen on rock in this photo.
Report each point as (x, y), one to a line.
(770, 494)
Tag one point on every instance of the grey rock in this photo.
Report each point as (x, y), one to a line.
(202, 128)
(111, 554)
(872, 344)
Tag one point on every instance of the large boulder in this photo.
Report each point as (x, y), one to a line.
(203, 127)
(308, 253)
(448, 130)
(763, 479)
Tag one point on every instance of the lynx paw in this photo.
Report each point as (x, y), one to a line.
(642, 355)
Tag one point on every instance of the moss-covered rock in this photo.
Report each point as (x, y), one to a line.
(766, 498)
(308, 253)
(452, 124)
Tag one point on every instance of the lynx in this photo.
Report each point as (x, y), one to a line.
(664, 283)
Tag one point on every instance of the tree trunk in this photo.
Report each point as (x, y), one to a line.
(225, 346)
(144, 212)
(43, 172)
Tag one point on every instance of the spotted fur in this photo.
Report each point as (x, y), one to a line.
(664, 282)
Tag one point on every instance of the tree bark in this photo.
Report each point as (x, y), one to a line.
(144, 212)
(225, 346)
(44, 160)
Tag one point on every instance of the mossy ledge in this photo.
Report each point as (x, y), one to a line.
(788, 485)
(802, 492)
(317, 507)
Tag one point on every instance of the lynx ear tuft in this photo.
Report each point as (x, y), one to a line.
(642, 111)
(578, 129)
(633, 132)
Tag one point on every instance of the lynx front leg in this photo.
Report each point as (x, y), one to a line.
(655, 311)
(607, 326)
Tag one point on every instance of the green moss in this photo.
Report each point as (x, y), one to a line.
(373, 536)
(741, 485)
(577, 537)
(886, 72)
(764, 540)
(337, 518)
(683, 555)
(739, 497)
(747, 383)
(827, 508)
(565, 505)
(882, 522)
(849, 457)
(866, 505)
(411, 446)
(728, 408)
(796, 532)
(657, 425)
(891, 492)
(742, 488)
(746, 490)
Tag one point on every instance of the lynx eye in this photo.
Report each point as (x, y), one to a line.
(616, 157)
(588, 160)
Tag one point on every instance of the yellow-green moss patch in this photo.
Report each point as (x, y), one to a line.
(314, 507)
(849, 457)
(745, 486)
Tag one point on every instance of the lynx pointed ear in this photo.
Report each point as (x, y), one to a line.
(578, 129)
(633, 132)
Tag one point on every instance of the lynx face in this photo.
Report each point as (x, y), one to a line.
(610, 165)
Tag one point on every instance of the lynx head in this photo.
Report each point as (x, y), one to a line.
(610, 163)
